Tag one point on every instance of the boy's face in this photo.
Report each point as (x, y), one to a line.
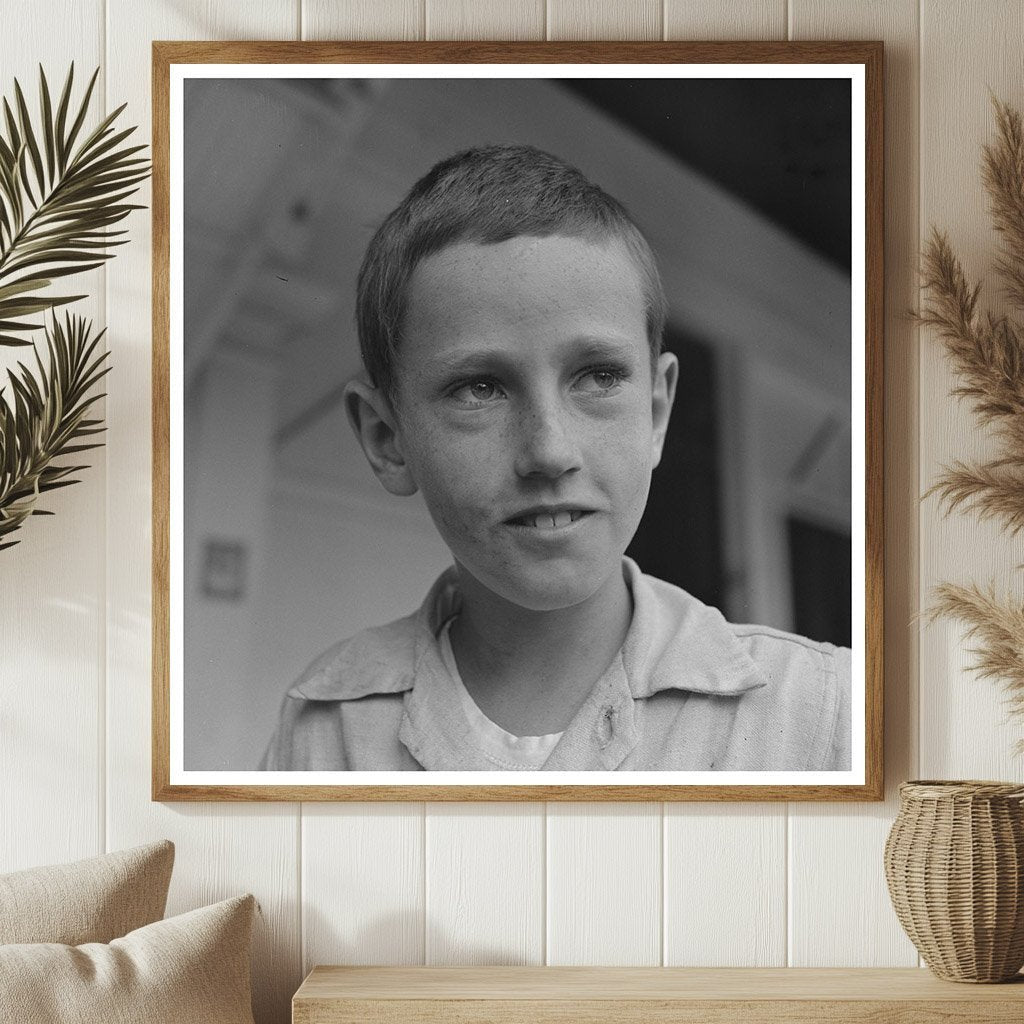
(527, 414)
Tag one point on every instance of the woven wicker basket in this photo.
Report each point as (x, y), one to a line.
(954, 861)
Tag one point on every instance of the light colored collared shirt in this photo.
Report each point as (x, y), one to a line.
(504, 749)
(688, 691)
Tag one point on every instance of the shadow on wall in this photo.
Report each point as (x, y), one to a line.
(375, 944)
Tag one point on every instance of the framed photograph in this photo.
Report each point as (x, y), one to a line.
(517, 421)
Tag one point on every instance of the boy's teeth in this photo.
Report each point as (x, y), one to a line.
(550, 521)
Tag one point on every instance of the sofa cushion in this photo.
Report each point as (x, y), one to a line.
(92, 900)
(190, 969)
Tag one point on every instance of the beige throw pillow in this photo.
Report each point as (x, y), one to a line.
(92, 900)
(190, 969)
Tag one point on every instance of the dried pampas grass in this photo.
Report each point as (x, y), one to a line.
(987, 353)
(997, 631)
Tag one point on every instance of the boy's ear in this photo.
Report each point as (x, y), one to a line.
(662, 396)
(376, 428)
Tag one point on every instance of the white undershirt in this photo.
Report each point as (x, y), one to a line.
(502, 747)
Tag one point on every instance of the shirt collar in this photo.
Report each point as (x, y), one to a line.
(677, 642)
(674, 642)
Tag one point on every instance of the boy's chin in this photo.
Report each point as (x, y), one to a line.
(543, 592)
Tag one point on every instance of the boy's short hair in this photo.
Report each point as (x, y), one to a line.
(487, 194)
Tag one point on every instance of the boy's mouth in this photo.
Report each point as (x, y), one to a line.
(548, 520)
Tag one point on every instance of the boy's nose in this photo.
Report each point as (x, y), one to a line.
(546, 445)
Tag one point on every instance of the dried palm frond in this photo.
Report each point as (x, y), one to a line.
(45, 419)
(59, 200)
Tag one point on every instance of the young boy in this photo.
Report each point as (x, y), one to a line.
(510, 318)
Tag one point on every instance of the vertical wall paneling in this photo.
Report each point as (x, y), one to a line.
(477, 19)
(726, 19)
(725, 885)
(604, 884)
(725, 864)
(485, 883)
(967, 49)
(363, 19)
(362, 884)
(585, 19)
(413, 883)
(835, 851)
(51, 582)
(222, 849)
(604, 863)
(484, 867)
(363, 865)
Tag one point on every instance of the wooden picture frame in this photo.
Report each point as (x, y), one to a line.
(217, 570)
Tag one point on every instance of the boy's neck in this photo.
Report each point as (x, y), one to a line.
(530, 671)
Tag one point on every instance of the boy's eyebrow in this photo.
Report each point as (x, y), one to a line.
(590, 347)
(584, 347)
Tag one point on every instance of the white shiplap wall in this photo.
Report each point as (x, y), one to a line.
(751, 884)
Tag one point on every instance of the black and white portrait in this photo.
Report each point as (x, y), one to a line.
(521, 426)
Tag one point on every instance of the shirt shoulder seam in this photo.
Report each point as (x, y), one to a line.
(818, 646)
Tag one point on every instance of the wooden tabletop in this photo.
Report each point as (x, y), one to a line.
(646, 983)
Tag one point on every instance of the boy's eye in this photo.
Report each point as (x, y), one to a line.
(600, 379)
(476, 392)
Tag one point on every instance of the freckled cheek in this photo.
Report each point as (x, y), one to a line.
(455, 482)
(624, 458)
(462, 522)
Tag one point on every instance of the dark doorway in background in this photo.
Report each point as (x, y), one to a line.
(679, 538)
(820, 570)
